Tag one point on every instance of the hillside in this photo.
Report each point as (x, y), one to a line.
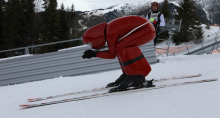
(88, 19)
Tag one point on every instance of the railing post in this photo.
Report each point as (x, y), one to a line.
(203, 48)
(26, 51)
(188, 50)
(179, 49)
(216, 41)
(169, 42)
(213, 47)
(159, 53)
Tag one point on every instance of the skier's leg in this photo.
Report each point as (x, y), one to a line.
(118, 81)
(133, 80)
(122, 68)
(130, 55)
(135, 65)
(133, 61)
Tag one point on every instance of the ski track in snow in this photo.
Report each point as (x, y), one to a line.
(187, 101)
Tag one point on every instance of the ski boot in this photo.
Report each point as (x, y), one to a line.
(118, 81)
(135, 81)
(149, 83)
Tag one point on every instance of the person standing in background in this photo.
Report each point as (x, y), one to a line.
(156, 18)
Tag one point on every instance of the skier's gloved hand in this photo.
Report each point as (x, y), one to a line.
(89, 54)
(155, 22)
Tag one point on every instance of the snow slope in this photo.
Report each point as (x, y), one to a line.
(187, 101)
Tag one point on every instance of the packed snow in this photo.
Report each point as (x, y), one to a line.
(199, 100)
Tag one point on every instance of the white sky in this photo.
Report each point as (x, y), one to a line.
(88, 5)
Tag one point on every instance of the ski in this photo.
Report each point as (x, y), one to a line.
(108, 94)
(103, 88)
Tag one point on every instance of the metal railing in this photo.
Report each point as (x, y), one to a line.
(170, 25)
(200, 48)
(33, 46)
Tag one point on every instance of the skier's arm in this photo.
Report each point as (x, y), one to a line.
(162, 21)
(105, 54)
(111, 53)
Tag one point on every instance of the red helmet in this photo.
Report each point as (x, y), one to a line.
(95, 36)
(154, 3)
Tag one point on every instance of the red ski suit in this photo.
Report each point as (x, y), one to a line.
(127, 51)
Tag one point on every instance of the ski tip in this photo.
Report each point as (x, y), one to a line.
(23, 105)
(208, 80)
(34, 99)
(214, 79)
(31, 99)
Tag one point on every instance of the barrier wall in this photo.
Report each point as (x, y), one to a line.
(61, 63)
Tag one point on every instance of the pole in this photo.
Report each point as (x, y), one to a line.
(169, 42)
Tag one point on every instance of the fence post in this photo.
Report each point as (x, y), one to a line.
(188, 50)
(213, 47)
(169, 42)
(26, 51)
(203, 48)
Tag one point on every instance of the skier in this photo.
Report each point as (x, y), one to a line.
(133, 32)
(156, 18)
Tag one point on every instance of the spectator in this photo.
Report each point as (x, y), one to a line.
(156, 18)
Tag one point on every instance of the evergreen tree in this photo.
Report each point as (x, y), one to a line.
(72, 26)
(27, 31)
(16, 25)
(190, 29)
(32, 25)
(165, 9)
(63, 26)
(12, 25)
(2, 6)
(72, 15)
(24, 30)
(49, 25)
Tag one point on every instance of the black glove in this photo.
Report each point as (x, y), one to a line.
(89, 54)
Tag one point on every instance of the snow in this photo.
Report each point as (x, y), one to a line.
(211, 32)
(188, 101)
(83, 27)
